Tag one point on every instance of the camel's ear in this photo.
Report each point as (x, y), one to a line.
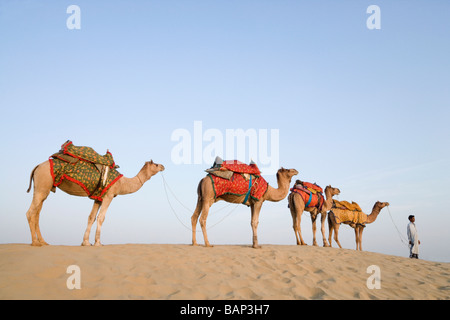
(151, 161)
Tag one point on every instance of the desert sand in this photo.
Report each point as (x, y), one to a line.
(168, 271)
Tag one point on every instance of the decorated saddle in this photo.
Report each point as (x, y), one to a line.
(311, 193)
(84, 166)
(346, 212)
(237, 178)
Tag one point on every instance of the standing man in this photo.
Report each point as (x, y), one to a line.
(413, 238)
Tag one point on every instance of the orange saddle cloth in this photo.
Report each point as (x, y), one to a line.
(311, 193)
(254, 187)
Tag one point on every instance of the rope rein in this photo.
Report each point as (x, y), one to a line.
(166, 186)
(401, 236)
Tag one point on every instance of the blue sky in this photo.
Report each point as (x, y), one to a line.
(364, 110)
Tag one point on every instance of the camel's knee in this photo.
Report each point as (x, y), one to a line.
(335, 237)
(194, 219)
(91, 219)
(29, 215)
(100, 219)
(32, 213)
(202, 223)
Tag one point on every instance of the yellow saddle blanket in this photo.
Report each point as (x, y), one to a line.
(345, 205)
(345, 211)
(352, 217)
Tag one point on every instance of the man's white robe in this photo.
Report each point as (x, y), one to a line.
(413, 237)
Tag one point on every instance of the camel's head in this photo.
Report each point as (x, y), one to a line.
(286, 173)
(153, 167)
(381, 205)
(333, 191)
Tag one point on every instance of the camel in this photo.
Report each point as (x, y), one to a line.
(206, 198)
(359, 228)
(43, 184)
(297, 206)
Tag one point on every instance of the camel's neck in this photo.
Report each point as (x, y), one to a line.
(281, 192)
(373, 216)
(131, 185)
(328, 203)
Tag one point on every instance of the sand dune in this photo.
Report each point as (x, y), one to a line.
(166, 271)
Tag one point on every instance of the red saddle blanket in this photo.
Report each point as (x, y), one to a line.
(239, 186)
(309, 198)
(239, 167)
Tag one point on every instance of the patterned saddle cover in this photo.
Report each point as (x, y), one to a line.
(237, 178)
(345, 205)
(225, 169)
(310, 192)
(71, 153)
(85, 167)
(253, 188)
(346, 212)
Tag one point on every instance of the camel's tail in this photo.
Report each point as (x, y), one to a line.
(199, 189)
(31, 178)
(329, 220)
(291, 202)
(330, 226)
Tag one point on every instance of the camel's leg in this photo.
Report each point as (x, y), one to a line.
(33, 218)
(101, 218)
(330, 229)
(194, 220)
(336, 234)
(296, 219)
(205, 210)
(360, 237)
(323, 217)
(298, 229)
(43, 184)
(291, 206)
(357, 237)
(296, 213)
(38, 230)
(255, 208)
(314, 228)
(91, 220)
